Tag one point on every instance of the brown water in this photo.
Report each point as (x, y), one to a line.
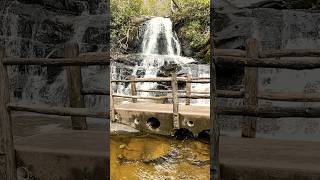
(144, 157)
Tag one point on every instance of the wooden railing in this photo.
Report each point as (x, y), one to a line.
(72, 61)
(175, 92)
(251, 59)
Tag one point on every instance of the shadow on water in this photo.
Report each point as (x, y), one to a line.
(137, 156)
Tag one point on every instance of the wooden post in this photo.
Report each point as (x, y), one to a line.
(7, 152)
(112, 113)
(188, 89)
(75, 86)
(133, 89)
(250, 89)
(174, 84)
(214, 128)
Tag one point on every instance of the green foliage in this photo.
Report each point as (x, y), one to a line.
(122, 12)
(193, 21)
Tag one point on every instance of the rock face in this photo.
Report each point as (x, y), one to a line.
(39, 28)
(278, 25)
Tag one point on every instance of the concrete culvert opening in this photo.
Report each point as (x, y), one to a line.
(153, 122)
(190, 123)
(183, 133)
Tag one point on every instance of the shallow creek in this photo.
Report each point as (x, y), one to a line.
(144, 157)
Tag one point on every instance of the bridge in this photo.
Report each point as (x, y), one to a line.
(156, 115)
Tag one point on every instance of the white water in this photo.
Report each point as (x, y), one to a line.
(160, 45)
(155, 27)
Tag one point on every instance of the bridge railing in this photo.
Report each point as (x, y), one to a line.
(72, 62)
(252, 59)
(175, 92)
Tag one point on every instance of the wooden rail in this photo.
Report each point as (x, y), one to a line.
(163, 97)
(72, 60)
(270, 53)
(168, 91)
(293, 97)
(270, 112)
(160, 79)
(55, 62)
(60, 111)
(284, 62)
(290, 53)
(273, 96)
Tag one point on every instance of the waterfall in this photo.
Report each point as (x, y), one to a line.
(161, 50)
(155, 28)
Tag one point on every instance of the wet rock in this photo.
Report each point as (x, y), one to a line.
(140, 73)
(168, 68)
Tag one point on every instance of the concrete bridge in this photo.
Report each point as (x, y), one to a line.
(158, 118)
(151, 114)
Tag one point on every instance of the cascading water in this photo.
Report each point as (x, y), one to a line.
(160, 50)
(156, 28)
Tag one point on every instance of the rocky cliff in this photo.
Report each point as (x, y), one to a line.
(39, 28)
(278, 24)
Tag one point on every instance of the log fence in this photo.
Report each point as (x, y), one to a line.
(253, 58)
(72, 63)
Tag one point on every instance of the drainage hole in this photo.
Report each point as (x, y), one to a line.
(154, 123)
(190, 123)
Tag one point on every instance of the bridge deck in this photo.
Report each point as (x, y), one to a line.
(164, 108)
